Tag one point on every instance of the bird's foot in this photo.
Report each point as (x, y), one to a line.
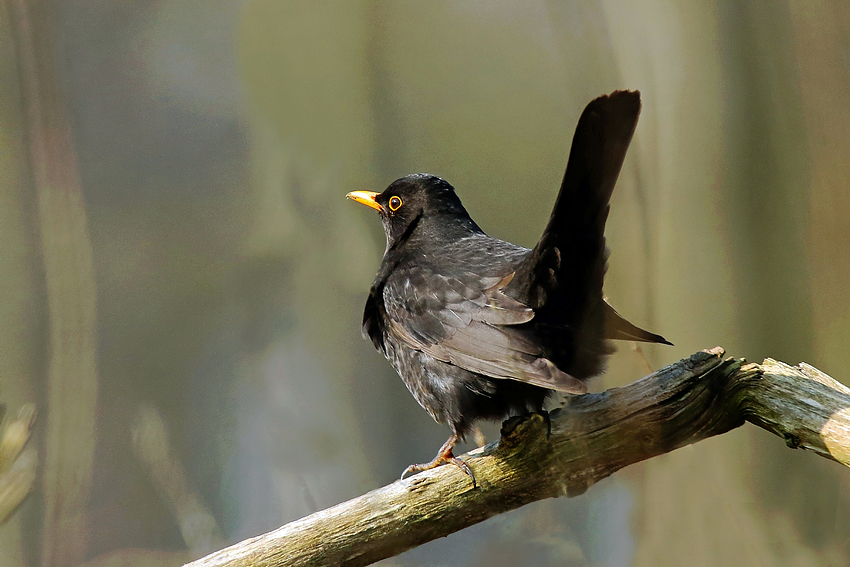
(444, 455)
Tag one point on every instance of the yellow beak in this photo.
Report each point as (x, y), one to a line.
(366, 198)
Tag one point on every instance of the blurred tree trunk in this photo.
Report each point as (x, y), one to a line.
(22, 317)
(722, 143)
(72, 372)
(820, 34)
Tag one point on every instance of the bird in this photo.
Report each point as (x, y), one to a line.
(482, 329)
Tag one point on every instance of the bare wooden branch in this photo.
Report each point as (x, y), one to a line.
(801, 404)
(592, 437)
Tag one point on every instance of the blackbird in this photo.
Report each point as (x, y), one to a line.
(481, 329)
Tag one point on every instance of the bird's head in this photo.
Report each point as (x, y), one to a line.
(418, 203)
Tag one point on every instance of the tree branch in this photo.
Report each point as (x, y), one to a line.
(592, 437)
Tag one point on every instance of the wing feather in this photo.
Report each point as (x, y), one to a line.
(469, 322)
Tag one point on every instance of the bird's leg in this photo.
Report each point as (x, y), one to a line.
(444, 455)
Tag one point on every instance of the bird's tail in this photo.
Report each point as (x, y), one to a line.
(561, 279)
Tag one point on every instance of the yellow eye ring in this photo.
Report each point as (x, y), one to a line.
(395, 203)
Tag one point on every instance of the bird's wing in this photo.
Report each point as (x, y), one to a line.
(617, 327)
(468, 321)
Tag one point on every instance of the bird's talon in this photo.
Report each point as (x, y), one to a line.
(464, 467)
(444, 455)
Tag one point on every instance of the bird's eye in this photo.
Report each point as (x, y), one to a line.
(395, 203)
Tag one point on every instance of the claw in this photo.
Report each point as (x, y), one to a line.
(444, 455)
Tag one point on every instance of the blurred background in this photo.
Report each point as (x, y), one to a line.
(182, 279)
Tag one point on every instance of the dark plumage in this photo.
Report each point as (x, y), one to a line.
(479, 328)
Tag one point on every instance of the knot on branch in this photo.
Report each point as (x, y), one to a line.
(520, 430)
